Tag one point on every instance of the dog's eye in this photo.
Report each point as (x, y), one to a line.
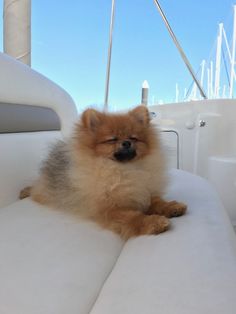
(133, 138)
(111, 140)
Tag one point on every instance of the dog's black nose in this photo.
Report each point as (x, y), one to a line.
(126, 144)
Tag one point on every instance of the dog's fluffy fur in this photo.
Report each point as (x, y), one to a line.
(111, 171)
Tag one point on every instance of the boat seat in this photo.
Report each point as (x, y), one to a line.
(52, 263)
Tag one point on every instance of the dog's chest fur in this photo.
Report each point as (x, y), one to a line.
(108, 183)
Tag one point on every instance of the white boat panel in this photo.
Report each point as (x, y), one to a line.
(207, 131)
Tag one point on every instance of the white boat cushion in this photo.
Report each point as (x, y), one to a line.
(189, 270)
(51, 263)
(20, 158)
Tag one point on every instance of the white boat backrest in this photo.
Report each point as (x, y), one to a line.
(34, 112)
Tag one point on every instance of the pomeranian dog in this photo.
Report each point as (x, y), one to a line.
(111, 171)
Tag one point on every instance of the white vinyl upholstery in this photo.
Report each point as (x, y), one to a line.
(19, 84)
(52, 263)
(20, 158)
(189, 270)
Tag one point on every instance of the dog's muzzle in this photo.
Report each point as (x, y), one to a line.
(126, 153)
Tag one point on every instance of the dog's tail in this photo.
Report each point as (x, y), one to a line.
(26, 192)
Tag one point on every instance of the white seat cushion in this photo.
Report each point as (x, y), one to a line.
(189, 270)
(20, 158)
(50, 263)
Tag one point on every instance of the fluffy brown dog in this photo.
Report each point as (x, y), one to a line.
(111, 171)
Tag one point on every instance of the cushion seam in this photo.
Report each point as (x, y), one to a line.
(105, 280)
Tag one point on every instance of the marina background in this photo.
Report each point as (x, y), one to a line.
(70, 42)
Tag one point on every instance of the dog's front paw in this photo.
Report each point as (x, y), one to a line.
(25, 192)
(154, 224)
(175, 209)
(166, 208)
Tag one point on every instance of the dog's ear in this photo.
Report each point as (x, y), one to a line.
(91, 119)
(141, 114)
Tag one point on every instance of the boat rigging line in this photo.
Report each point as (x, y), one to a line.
(109, 55)
(183, 55)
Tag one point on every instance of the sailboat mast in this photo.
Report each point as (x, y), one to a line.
(17, 29)
(218, 61)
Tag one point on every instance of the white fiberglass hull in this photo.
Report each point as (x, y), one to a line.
(204, 142)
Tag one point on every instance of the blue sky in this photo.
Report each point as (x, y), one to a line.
(70, 41)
